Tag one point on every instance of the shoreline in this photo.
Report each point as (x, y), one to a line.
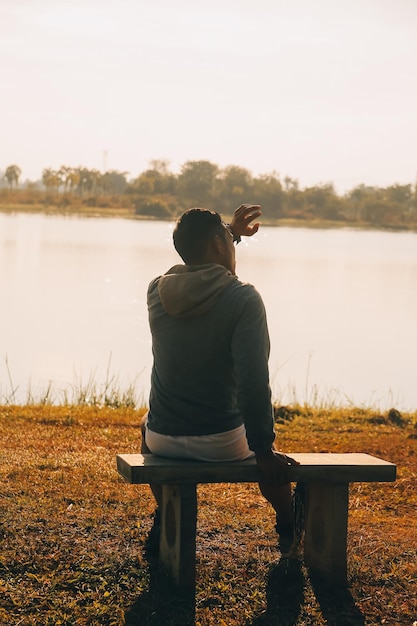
(130, 214)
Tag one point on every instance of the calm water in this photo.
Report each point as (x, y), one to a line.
(342, 307)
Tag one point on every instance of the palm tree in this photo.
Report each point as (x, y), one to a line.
(84, 180)
(51, 179)
(64, 173)
(12, 175)
(73, 179)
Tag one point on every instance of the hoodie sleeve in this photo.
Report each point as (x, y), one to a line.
(250, 353)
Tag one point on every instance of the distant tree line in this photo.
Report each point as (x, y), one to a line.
(159, 193)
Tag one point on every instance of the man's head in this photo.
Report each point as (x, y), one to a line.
(200, 237)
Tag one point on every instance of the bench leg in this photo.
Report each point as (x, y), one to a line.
(178, 533)
(325, 540)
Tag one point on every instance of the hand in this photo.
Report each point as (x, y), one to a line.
(274, 466)
(242, 218)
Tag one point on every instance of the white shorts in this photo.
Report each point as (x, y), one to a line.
(229, 446)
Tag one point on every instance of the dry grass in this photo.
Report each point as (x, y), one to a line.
(72, 532)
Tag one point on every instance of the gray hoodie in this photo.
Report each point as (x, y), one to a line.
(210, 346)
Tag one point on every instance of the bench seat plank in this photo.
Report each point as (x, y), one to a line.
(315, 466)
(326, 477)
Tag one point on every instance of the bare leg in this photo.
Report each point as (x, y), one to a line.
(280, 498)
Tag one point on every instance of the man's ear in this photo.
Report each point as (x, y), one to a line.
(215, 250)
(218, 244)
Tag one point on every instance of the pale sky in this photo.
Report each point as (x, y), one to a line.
(319, 90)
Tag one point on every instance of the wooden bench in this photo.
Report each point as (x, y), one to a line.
(326, 477)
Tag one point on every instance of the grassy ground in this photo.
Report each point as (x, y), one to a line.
(72, 532)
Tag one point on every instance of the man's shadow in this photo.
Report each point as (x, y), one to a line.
(162, 603)
(285, 598)
(284, 594)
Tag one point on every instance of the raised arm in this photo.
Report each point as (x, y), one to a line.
(243, 216)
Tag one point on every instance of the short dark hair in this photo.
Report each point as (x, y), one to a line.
(193, 231)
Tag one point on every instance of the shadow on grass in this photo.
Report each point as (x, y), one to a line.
(162, 604)
(284, 594)
(285, 599)
(336, 603)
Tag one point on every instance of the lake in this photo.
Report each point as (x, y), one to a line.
(341, 305)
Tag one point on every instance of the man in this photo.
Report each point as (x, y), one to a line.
(210, 397)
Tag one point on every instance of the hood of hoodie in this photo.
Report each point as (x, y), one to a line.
(190, 291)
